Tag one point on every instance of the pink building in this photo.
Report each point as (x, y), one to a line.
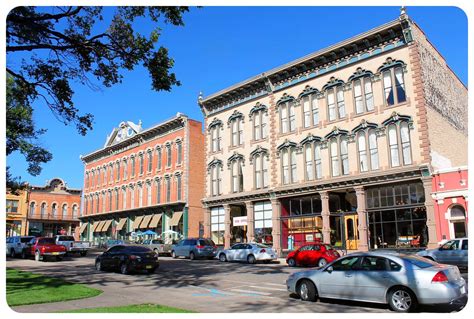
(450, 192)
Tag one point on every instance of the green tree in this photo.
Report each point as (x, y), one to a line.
(48, 49)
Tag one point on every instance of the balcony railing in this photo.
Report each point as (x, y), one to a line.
(50, 216)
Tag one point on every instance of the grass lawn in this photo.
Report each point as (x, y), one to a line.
(144, 308)
(26, 288)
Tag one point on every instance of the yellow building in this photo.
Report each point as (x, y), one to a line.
(16, 213)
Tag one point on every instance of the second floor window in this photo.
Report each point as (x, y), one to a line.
(237, 176)
(260, 171)
(288, 160)
(399, 143)
(313, 166)
(339, 155)
(287, 117)
(168, 189)
(216, 181)
(394, 86)
(148, 194)
(125, 168)
(178, 187)
(237, 132)
(32, 208)
(140, 195)
(133, 166)
(158, 191)
(368, 151)
(110, 201)
(215, 139)
(363, 97)
(64, 211)
(74, 211)
(132, 197)
(140, 163)
(54, 210)
(124, 198)
(150, 161)
(310, 110)
(168, 155)
(335, 100)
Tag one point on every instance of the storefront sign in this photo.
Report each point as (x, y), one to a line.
(240, 221)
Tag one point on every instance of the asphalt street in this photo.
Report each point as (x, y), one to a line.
(200, 285)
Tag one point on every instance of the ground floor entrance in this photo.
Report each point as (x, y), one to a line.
(50, 228)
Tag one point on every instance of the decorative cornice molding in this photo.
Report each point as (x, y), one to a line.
(258, 107)
(235, 157)
(360, 73)
(335, 132)
(395, 117)
(364, 125)
(285, 98)
(333, 82)
(215, 122)
(235, 115)
(310, 138)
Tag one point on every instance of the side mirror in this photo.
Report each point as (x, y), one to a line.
(329, 269)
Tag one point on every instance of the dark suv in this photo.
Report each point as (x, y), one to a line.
(194, 248)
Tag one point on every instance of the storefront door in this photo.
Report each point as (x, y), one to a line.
(350, 228)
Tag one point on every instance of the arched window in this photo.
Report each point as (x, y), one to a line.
(140, 195)
(64, 211)
(132, 197)
(237, 177)
(74, 211)
(116, 199)
(168, 188)
(92, 178)
(87, 180)
(312, 158)
(168, 155)
(104, 168)
(54, 210)
(288, 162)
(43, 210)
(393, 82)
(86, 205)
(367, 149)
(179, 150)
(150, 161)
(260, 164)
(214, 169)
(99, 175)
(140, 163)
(338, 153)
(398, 127)
(110, 200)
(287, 115)
(32, 208)
(335, 99)
(236, 125)
(158, 190)
(310, 106)
(159, 158)
(179, 187)
(148, 193)
(259, 116)
(133, 166)
(117, 167)
(125, 168)
(124, 198)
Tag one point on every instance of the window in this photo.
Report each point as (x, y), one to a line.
(87, 180)
(179, 146)
(363, 97)
(92, 178)
(117, 165)
(345, 264)
(12, 206)
(370, 263)
(216, 180)
(54, 210)
(64, 211)
(313, 166)
(124, 198)
(237, 176)
(132, 197)
(367, 149)
(178, 187)
(32, 208)
(105, 174)
(168, 155)
(260, 125)
(394, 85)
(237, 131)
(125, 168)
(400, 152)
(263, 222)
(116, 199)
(158, 190)
(339, 155)
(287, 117)
(98, 175)
(111, 168)
(140, 163)
(310, 110)
(168, 188)
(148, 194)
(217, 225)
(74, 211)
(140, 195)
(43, 210)
(335, 100)
(133, 166)
(260, 171)
(150, 161)
(288, 165)
(158, 155)
(104, 199)
(215, 138)
(110, 200)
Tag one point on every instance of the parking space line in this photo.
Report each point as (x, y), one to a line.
(252, 292)
(267, 288)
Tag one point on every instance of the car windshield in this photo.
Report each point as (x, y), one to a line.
(137, 249)
(261, 246)
(328, 247)
(46, 241)
(419, 261)
(26, 239)
(206, 242)
(65, 238)
(157, 241)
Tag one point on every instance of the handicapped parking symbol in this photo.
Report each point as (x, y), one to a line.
(211, 293)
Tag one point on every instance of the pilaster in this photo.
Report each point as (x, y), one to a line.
(250, 222)
(362, 218)
(227, 223)
(325, 216)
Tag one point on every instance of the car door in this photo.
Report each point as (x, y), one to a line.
(116, 256)
(371, 279)
(304, 254)
(178, 249)
(341, 281)
(233, 252)
(314, 254)
(107, 257)
(464, 253)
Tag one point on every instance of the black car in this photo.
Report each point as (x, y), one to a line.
(128, 258)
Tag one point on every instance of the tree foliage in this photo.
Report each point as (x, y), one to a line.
(49, 49)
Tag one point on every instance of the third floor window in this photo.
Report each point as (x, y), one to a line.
(335, 100)
(363, 97)
(394, 85)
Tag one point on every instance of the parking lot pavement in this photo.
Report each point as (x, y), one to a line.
(200, 285)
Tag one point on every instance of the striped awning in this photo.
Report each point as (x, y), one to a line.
(107, 225)
(94, 226)
(99, 228)
(121, 223)
(155, 220)
(176, 218)
(145, 221)
(83, 227)
(137, 222)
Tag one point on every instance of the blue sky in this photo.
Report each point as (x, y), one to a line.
(218, 47)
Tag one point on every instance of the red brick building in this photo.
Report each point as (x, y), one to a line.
(53, 209)
(143, 180)
(450, 192)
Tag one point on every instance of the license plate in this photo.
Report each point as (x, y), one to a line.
(55, 253)
(148, 267)
(463, 289)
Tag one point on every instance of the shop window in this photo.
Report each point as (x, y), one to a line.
(12, 206)
(218, 225)
(263, 222)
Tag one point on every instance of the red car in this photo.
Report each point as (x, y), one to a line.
(315, 254)
(44, 247)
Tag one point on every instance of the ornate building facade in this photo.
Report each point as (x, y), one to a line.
(336, 146)
(145, 179)
(53, 209)
(16, 214)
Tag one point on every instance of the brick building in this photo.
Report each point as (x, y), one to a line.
(16, 214)
(338, 145)
(53, 209)
(145, 179)
(450, 192)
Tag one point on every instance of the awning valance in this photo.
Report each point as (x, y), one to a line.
(121, 223)
(155, 221)
(176, 218)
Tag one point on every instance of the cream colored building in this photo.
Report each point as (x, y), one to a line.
(336, 146)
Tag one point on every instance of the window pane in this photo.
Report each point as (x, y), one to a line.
(406, 148)
(387, 83)
(392, 135)
(340, 103)
(315, 108)
(374, 155)
(400, 85)
(331, 106)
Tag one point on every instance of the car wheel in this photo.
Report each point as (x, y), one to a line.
(124, 269)
(251, 259)
(37, 256)
(222, 257)
(291, 262)
(322, 262)
(306, 290)
(173, 254)
(12, 253)
(192, 256)
(83, 253)
(401, 299)
(98, 265)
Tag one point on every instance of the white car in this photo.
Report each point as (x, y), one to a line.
(251, 252)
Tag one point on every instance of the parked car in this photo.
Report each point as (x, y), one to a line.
(16, 244)
(158, 246)
(42, 248)
(312, 254)
(402, 281)
(453, 252)
(251, 252)
(128, 258)
(73, 246)
(109, 243)
(193, 248)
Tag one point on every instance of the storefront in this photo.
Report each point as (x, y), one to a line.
(397, 216)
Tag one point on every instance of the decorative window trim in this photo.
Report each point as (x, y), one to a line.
(215, 122)
(256, 108)
(259, 151)
(235, 116)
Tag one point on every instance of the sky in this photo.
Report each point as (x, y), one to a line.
(218, 47)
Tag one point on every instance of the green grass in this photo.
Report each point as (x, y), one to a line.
(144, 308)
(26, 288)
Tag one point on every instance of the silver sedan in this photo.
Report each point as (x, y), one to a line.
(251, 252)
(402, 281)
